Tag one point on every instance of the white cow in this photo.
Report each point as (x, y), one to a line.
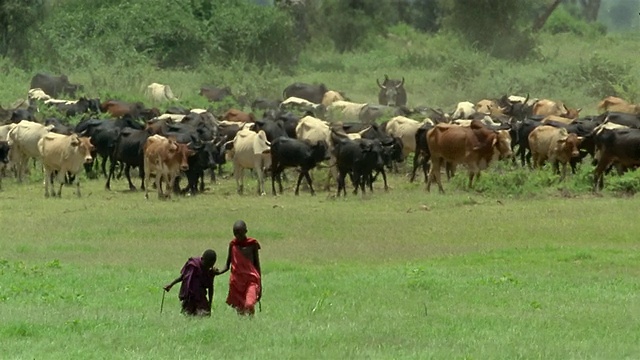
(344, 111)
(38, 94)
(251, 150)
(159, 93)
(63, 154)
(405, 129)
(464, 110)
(23, 139)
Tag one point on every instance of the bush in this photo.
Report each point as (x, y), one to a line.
(562, 21)
(176, 34)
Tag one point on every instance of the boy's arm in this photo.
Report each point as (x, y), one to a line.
(170, 285)
(228, 264)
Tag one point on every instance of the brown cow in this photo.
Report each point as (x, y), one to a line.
(616, 104)
(236, 115)
(475, 146)
(62, 154)
(549, 107)
(553, 144)
(135, 110)
(165, 158)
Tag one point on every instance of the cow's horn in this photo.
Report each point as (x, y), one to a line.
(401, 83)
(380, 85)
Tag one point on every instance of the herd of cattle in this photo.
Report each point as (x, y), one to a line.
(310, 126)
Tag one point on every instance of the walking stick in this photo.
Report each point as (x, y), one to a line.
(162, 303)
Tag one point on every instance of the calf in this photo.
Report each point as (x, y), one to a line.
(165, 158)
(553, 144)
(128, 150)
(62, 155)
(358, 158)
(286, 152)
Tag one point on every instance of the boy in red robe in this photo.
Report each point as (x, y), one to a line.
(245, 282)
(197, 279)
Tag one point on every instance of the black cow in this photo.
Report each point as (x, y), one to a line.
(129, 151)
(630, 120)
(264, 104)
(18, 115)
(523, 129)
(215, 94)
(54, 86)
(82, 106)
(287, 152)
(104, 135)
(621, 146)
(359, 158)
(59, 127)
(422, 153)
(310, 92)
(4, 159)
(392, 92)
(271, 128)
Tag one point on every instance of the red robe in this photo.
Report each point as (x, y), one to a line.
(245, 281)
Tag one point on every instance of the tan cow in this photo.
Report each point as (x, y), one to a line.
(616, 104)
(489, 107)
(556, 118)
(159, 93)
(344, 111)
(548, 107)
(165, 158)
(250, 150)
(553, 144)
(330, 97)
(62, 155)
(23, 139)
(405, 129)
(475, 146)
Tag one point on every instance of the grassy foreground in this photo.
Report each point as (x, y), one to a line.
(398, 275)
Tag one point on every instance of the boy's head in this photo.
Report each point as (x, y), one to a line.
(240, 230)
(209, 258)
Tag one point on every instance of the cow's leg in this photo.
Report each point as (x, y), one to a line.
(274, 175)
(61, 178)
(158, 185)
(47, 179)
(112, 169)
(127, 169)
(340, 183)
(300, 176)
(260, 174)
(384, 178)
(78, 186)
(308, 177)
(564, 171)
(238, 175)
(417, 159)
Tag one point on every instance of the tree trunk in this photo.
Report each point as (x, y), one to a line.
(542, 19)
(590, 9)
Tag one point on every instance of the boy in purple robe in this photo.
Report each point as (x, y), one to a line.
(197, 279)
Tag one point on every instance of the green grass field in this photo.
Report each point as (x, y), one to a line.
(398, 275)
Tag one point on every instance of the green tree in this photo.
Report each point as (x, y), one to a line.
(16, 18)
(501, 27)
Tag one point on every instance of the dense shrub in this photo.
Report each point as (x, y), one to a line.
(562, 21)
(180, 33)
